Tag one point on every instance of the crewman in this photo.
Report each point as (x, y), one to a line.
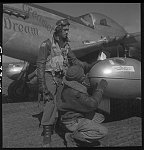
(54, 57)
(76, 109)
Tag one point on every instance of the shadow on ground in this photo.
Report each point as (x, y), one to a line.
(120, 108)
(6, 99)
(123, 109)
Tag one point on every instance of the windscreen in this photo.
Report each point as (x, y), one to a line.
(87, 20)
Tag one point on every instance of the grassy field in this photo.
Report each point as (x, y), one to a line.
(20, 129)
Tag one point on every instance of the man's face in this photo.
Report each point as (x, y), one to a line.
(65, 31)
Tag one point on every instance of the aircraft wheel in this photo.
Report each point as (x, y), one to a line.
(18, 90)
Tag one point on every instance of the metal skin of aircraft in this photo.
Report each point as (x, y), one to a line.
(26, 26)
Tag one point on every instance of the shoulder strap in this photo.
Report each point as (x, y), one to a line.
(76, 85)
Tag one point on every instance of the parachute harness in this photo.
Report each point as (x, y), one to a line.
(57, 62)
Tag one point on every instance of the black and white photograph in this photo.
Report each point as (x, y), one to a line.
(71, 75)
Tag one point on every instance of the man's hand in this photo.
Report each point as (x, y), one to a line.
(42, 89)
(48, 96)
(102, 85)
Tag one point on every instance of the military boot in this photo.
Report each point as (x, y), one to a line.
(47, 132)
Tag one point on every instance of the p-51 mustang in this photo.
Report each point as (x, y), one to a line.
(26, 26)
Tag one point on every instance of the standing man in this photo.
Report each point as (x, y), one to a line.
(76, 108)
(54, 56)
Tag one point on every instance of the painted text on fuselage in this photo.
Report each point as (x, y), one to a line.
(38, 17)
(17, 27)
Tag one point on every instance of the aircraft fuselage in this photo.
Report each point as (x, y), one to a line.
(26, 26)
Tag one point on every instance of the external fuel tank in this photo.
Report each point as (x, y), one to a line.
(122, 74)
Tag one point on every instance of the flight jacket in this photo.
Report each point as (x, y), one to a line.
(73, 101)
(44, 52)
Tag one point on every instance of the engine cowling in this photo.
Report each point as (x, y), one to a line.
(122, 74)
(13, 71)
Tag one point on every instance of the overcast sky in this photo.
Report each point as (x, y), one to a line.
(126, 14)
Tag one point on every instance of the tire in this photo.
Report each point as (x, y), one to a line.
(18, 90)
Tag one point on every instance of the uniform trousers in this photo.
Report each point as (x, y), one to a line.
(87, 130)
(50, 113)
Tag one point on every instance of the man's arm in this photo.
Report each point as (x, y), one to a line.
(74, 61)
(44, 52)
(93, 101)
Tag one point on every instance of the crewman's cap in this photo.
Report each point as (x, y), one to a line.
(74, 73)
(62, 22)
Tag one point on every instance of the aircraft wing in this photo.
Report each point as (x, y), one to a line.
(87, 47)
(134, 44)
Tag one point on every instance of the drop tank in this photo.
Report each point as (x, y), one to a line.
(122, 74)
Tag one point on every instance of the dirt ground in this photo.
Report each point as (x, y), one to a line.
(21, 130)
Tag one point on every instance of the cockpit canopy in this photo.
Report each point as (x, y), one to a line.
(94, 19)
(87, 20)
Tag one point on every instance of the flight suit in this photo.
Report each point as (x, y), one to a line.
(45, 78)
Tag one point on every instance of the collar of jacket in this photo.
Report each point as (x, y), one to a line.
(75, 85)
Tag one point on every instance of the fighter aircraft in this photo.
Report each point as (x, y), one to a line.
(26, 26)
